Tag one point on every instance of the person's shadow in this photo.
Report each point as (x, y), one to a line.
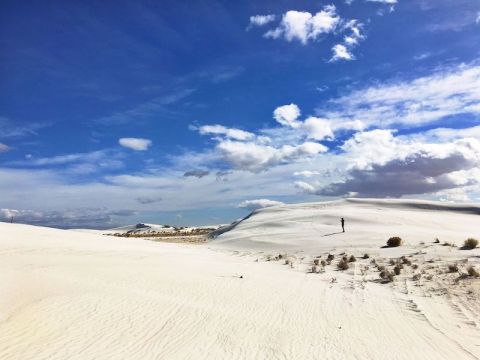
(340, 232)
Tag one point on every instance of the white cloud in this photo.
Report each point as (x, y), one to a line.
(258, 204)
(235, 134)
(137, 144)
(341, 52)
(477, 20)
(306, 173)
(287, 115)
(304, 26)
(260, 20)
(318, 129)
(4, 148)
(415, 102)
(254, 157)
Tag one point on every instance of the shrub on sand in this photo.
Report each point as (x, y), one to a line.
(394, 241)
(381, 267)
(366, 256)
(386, 275)
(473, 272)
(323, 263)
(414, 266)
(397, 269)
(316, 261)
(452, 268)
(471, 243)
(352, 259)
(406, 261)
(315, 269)
(342, 265)
(330, 257)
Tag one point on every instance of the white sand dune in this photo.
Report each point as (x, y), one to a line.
(72, 295)
(369, 222)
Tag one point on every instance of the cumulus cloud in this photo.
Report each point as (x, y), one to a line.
(254, 157)
(196, 173)
(304, 26)
(340, 52)
(447, 92)
(287, 115)
(391, 2)
(260, 20)
(4, 148)
(137, 144)
(258, 204)
(235, 134)
(384, 166)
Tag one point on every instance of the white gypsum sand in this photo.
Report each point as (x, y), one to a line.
(72, 295)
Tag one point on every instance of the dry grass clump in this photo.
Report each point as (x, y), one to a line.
(452, 268)
(397, 269)
(471, 243)
(473, 272)
(386, 275)
(352, 259)
(343, 265)
(394, 241)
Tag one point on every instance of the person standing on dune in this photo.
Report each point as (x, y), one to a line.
(343, 224)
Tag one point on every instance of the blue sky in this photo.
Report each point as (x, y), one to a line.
(196, 113)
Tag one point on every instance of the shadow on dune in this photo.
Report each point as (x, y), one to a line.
(340, 232)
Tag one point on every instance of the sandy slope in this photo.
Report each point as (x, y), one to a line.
(71, 295)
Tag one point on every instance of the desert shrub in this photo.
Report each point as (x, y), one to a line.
(414, 266)
(329, 262)
(373, 262)
(437, 241)
(381, 267)
(394, 241)
(323, 263)
(452, 268)
(280, 256)
(342, 265)
(391, 262)
(399, 265)
(315, 269)
(386, 275)
(471, 243)
(416, 277)
(406, 261)
(316, 261)
(472, 271)
(330, 257)
(345, 258)
(397, 269)
(352, 259)
(366, 256)
(288, 261)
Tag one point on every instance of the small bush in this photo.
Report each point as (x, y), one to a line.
(406, 261)
(373, 262)
(381, 268)
(366, 256)
(330, 257)
(323, 262)
(414, 266)
(397, 269)
(316, 261)
(437, 241)
(452, 268)
(391, 262)
(287, 262)
(386, 275)
(315, 269)
(352, 259)
(471, 243)
(472, 271)
(394, 241)
(416, 277)
(342, 265)
(345, 258)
